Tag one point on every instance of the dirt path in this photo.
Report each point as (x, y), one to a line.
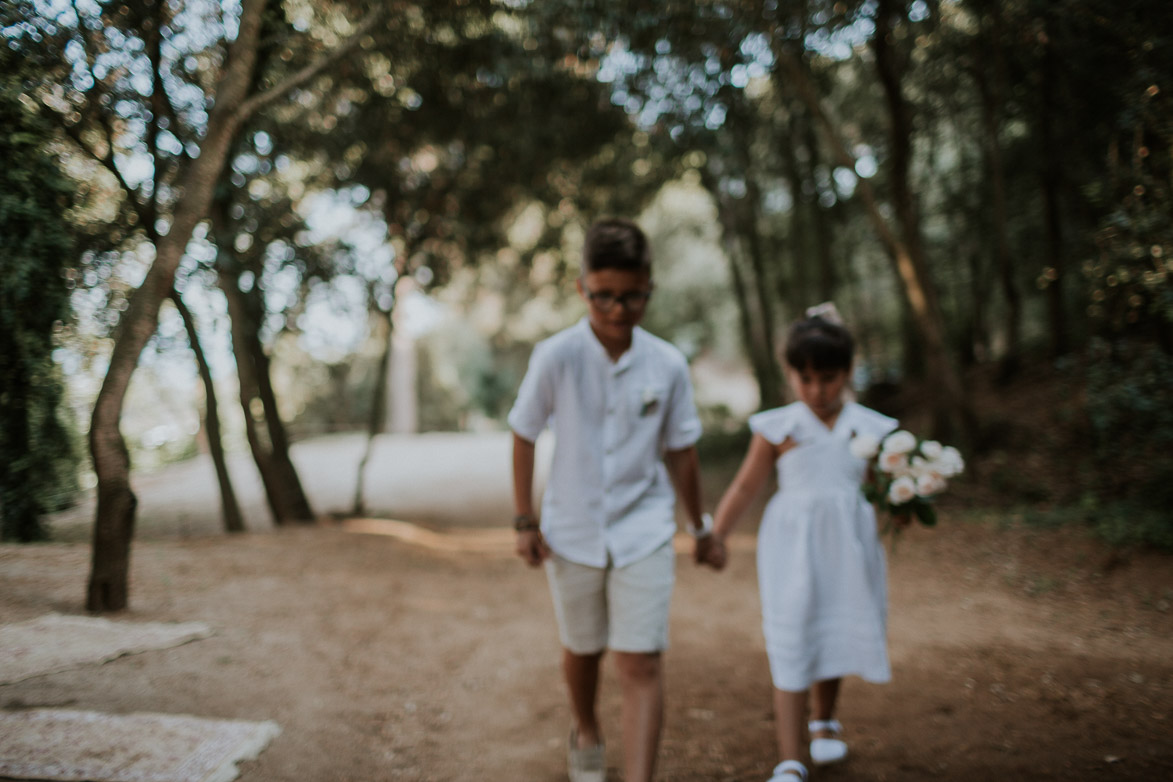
(431, 655)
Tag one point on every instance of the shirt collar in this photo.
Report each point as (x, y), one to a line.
(600, 352)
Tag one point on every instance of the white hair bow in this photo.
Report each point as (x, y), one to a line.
(827, 311)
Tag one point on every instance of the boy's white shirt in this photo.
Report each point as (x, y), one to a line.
(608, 495)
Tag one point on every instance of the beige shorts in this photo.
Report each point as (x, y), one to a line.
(622, 609)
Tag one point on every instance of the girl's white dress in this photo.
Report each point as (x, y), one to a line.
(821, 566)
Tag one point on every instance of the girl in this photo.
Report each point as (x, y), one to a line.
(821, 567)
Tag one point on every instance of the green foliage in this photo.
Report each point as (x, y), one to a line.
(1130, 407)
(37, 457)
(1120, 523)
(1130, 410)
(721, 446)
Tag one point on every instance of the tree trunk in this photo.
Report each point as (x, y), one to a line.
(1052, 154)
(263, 427)
(288, 483)
(114, 520)
(759, 357)
(821, 220)
(753, 334)
(991, 101)
(951, 416)
(376, 421)
(796, 290)
(750, 234)
(229, 507)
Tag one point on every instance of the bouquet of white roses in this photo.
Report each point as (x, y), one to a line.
(906, 474)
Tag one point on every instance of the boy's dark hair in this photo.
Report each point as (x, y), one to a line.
(815, 343)
(616, 243)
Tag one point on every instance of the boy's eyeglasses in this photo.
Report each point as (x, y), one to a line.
(632, 301)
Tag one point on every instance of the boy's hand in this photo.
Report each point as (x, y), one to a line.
(710, 550)
(531, 546)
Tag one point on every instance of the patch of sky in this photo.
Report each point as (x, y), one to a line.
(333, 216)
(245, 164)
(262, 142)
(280, 285)
(778, 199)
(755, 47)
(230, 14)
(845, 181)
(620, 64)
(739, 76)
(715, 117)
(136, 168)
(839, 43)
(333, 323)
(866, 165)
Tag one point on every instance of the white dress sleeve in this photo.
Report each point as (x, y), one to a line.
(864, 420)
(775, 425)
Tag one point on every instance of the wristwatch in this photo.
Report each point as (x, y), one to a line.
(706, 527)
(525, 522)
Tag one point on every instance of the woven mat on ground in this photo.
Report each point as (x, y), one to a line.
(56, 642)
(64, 745)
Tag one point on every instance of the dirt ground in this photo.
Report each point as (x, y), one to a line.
(402, 652)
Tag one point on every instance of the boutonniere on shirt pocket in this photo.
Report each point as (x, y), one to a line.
(649, 402)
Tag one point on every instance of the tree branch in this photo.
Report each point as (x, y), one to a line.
(249, 107)
(106, 162)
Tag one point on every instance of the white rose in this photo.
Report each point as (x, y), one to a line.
(931, 449)
(901, 491)
(919, 466)
(950, 462)
(900, 442)
(930, 485)
(894, 463)
(864, 446)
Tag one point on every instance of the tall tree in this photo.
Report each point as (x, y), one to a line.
(234, 97)
(229, 508)
(988, 69)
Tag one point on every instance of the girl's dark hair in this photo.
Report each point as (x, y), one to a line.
(815, 343)
(616, 243)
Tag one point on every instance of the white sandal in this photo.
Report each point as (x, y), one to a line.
(585, 765)
(787, 771)
(825, 751)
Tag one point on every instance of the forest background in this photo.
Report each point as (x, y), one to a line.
(258, 201)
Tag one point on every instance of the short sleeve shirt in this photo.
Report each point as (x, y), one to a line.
(608, 497)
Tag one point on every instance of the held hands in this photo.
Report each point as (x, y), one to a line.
(710, 550)
(710, 547)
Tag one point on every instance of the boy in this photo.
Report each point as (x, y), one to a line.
(619, 401)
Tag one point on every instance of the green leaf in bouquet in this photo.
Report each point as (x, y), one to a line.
(926, 514)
